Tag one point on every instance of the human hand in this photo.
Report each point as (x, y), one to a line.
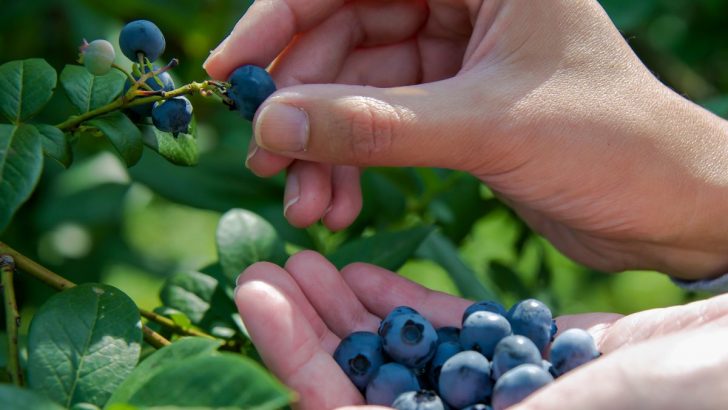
(663, 359)
(543, 101)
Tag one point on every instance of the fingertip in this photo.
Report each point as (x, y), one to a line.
(308, 193)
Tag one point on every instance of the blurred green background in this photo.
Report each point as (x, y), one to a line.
(132, 228)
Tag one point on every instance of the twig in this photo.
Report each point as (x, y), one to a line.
(154, 338)
(169, 324)
(12, 319)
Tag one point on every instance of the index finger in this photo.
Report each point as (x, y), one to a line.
(264, 32)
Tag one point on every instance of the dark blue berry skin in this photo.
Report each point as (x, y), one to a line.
(548, 367)
(516, 384)
(142, 36)
(389, 381)
(512, 352)
(249, 86)
(360, 355)
(444, 351)
(448, 334)
(465, 379)
(532, 318)
(571, 349)
(395, 312)
(418, 400)
(482, 331)
(145, 110)
(409, 339)
(484, 306)
(173, 115)
(478, 407)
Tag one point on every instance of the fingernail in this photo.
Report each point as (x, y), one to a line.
(238, 280)
(251, 154)
(283, 128)
(216, 51)
(292, 194)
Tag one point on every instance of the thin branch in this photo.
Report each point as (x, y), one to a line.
(12, 319)
(154, 338)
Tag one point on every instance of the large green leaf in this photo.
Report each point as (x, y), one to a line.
(441, 250)
(16, 398)
(83, 343)
(123, 134)
(21, 163)
(183, 349)
(87, 91)
(389, 250)
(25, 88)
(244, 238)
(55, 144)
(200, 297)
(180, 150)
(221, 380)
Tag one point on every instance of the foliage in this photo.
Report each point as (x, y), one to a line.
(137, 214)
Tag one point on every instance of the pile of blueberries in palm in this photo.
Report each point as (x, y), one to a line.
(496, 359)
(143, 42)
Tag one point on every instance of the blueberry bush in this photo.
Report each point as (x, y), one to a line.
(126, 212)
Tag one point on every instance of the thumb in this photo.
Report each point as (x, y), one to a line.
(423, 125)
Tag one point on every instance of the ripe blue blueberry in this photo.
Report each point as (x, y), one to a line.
(142, 36)
(395, 312)
(532, 318)
(484, 306)
(548, 368)
(478, 406)
(571, 349)
(516, 384)
(448, 334)
(512, 352)
(482, 331)
(98, 56)
(360, 355)
(388, 382)
(465, 379)
(418, 400)
(444, 351)
(145, 110)
(249, 86)
(409, 339)
(173, 115)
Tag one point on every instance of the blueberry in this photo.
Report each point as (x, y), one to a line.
(465, 379)
(571, 349)
(141, 36)
(418, 400)
(516, 384)
(514, 351)
(395, 312)
(548, 368)
(478, 407)
(484, 306)
(173, 115)
(554, 330)
(448, 334)
(145, 110)
(532, 318)
(249, 86)
(388, 382)
(98, 56)
(482, 331)
(409, 339)
(360, 355)
(444, 351)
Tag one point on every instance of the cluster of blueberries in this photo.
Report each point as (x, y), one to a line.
(142, 40)
(496, 359)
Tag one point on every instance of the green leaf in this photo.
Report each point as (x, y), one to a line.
(123, 134)
(200, 297)
(21, 163)
(389, 250)
(55, 144)
(183, 349)
(24, 399)
(88, 92)
(25, 88)
(441, 250)
(222, 380)
(83, 343)
(181, 150)
(244, 238)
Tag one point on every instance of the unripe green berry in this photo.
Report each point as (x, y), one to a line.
(98, 57)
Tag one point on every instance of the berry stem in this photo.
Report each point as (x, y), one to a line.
(128, 74)
(12, 319)
(60, 283)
